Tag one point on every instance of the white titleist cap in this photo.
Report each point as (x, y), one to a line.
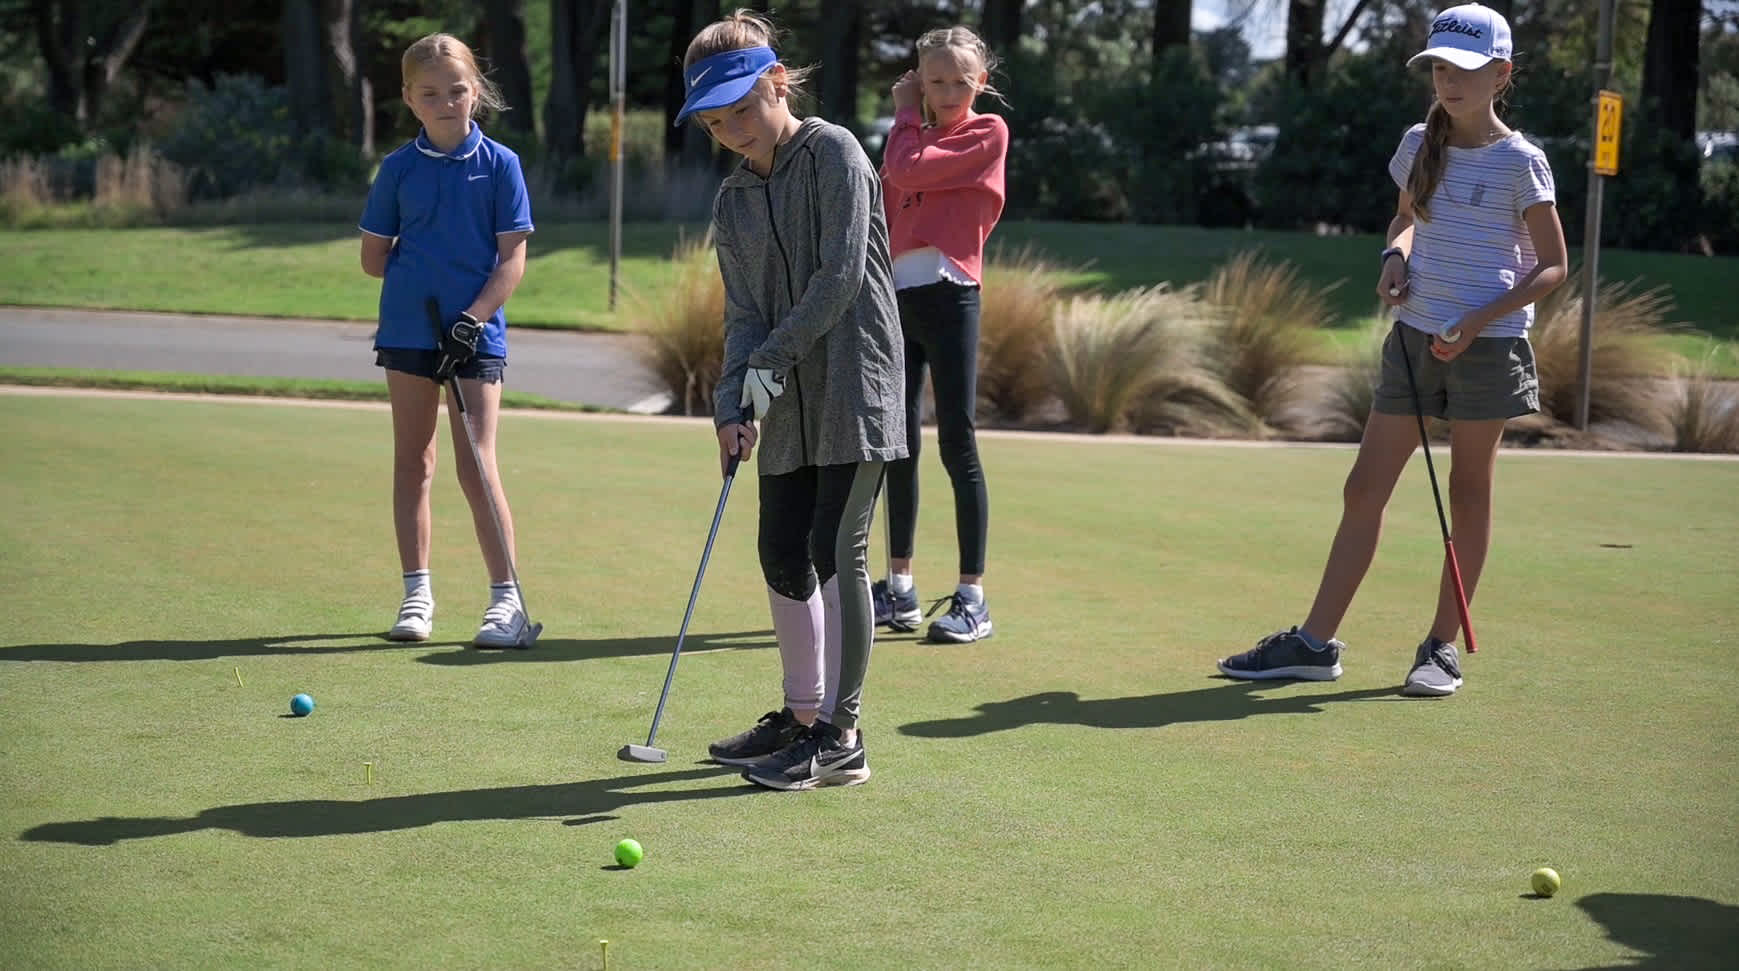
(1469, 36)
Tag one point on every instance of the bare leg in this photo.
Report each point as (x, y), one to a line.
(1383, 453)
(415, 412)
(484, 402)
(1473, 449)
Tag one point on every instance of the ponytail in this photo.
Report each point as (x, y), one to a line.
(1429, 161)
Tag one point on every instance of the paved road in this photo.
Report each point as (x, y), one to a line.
(594, 369)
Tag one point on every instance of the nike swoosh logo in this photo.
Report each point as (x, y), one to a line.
(697, 77)
(474, 178)
(820, 766)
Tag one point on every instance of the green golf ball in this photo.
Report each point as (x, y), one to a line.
(629, 853)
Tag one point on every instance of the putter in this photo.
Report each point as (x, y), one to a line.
(649, 752)
(1430, 470)
(529, 633)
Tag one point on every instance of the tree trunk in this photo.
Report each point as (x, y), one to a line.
(511, 70)
(56, 24)
(1001, 26)
(305, 66)
(842, 35)
(577, 28)
(84, 57)
(1669, 72)
(1171, 25)
(1304, 50)
(344, 32)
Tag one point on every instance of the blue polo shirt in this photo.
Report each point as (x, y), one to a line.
(446, 209)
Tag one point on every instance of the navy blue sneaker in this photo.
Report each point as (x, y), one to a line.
(774, 731)
(817, 759)
(966, 621)
(896, 612)
(1285, 654)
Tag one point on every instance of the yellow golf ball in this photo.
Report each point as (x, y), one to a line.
(629, 853)
(1546, 881)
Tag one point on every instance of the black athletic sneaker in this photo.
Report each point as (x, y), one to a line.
(819, 758)
(1285, 654)
(776, 730)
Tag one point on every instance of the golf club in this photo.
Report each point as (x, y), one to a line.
(648, 752)
(1431, 471)
(529, 633)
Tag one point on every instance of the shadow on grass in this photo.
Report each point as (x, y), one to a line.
(1225, 702)
(593, 801)
(169, 650)
(311, 644)
(1673, 932)
(548, 649)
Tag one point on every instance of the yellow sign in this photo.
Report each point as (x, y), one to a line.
(1606, 129)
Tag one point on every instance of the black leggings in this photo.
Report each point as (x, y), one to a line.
(815, 525)
(941, 327)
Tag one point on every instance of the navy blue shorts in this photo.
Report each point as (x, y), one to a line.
(422, 364)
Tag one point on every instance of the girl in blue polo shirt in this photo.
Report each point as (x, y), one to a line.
(447, 218)
(1474, 242)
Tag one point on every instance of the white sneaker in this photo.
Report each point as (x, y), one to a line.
(504, 625)
(416, 618)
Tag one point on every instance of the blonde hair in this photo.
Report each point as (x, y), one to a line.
(965, 46)
(1433, 156)
(741, 30)
(437, 47)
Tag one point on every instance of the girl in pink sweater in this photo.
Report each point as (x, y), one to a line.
(942, 184)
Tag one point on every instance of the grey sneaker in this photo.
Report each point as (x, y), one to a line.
(966, 621)
(896, 612)
(504, 625)
(1436, 670)
(1285, 654)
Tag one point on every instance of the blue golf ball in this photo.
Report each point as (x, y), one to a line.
(301, 705)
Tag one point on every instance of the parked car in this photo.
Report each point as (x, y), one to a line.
(1719, 146)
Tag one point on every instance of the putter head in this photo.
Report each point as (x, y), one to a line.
(641, 753)
(529, 635)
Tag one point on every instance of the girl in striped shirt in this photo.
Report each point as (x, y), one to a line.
(1475, 241)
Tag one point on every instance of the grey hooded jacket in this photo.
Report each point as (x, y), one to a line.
(809, 293)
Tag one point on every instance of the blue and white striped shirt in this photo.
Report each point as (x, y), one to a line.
(1476, 244)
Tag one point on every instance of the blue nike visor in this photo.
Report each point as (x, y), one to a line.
(723, 79)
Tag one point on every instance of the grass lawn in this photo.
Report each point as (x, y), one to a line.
(1076, 792)
(310, 270)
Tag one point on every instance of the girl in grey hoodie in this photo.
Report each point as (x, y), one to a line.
(813, 379)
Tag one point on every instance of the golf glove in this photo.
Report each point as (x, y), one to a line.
(458, 345)
(760, 387)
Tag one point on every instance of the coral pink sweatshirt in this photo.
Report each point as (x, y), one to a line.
(944, 187)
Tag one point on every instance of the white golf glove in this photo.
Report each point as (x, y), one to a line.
(760, 387)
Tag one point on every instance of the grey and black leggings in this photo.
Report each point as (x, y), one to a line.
(941, 327)
(814, 528)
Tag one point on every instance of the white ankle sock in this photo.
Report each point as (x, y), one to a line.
(417, 580)
(900, 582)
(973, 592)
(502, 591)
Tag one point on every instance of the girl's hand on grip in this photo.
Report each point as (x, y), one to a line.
(1392, 283)
(735, 440)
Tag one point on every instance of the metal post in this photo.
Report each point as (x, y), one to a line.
(1591, 224)
(618, 107)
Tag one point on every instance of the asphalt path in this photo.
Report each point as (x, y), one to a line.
(593, 369)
